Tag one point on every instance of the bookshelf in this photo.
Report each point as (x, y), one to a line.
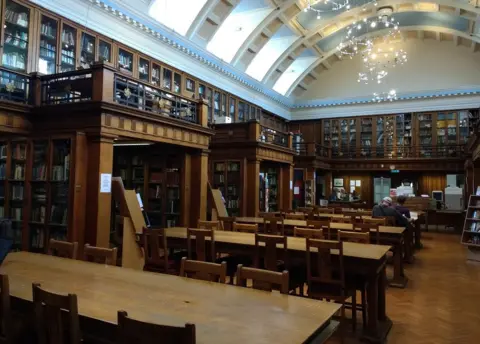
(269, 189)
(157, 178)
(68, 54)
(16, 188)
(87, 50)
(380, 137)
(425, 132)
(16, 36)
(471, 227)
(366, 136)
(48, 45)
(227, 177)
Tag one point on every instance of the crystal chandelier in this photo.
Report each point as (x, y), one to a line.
(379, 97)
(357, 39)
(378, 60)
(326, 6)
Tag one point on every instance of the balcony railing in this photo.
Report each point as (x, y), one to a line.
(388, 152)
(147, 98)
(69, 87)
(14, 86)
(273, 136)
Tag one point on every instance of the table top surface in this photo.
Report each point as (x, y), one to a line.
(221, 313)
(335, 225)
(363, 251)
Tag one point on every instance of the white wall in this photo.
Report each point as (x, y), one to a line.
(431, 66)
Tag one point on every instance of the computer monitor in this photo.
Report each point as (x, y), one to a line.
(437, 195)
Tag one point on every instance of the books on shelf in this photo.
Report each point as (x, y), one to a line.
(19, 172)
(2, 212)
(38, 214)
(37, 238)
(218, 179)
(3, 152)
(17, 192)
(173, 176)
(155, 192)
(58, 215)
(3, 171)
(39, 172)
(16, 214)
(18, 18)
(156, 177)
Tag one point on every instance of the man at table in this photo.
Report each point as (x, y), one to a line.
(385, 209)
(401, 208)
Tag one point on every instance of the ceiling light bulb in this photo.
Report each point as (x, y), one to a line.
(359, 26)
(373, 24)
(318, 16)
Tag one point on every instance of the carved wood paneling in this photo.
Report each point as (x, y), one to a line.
(274, 155)
(14, 123)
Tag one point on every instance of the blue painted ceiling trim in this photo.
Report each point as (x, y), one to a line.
(368, 100)
(178, 42)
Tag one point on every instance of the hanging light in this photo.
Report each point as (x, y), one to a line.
(323, 6)
(379, 97)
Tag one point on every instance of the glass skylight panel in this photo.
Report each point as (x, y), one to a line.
(178, 15)
(293, 72)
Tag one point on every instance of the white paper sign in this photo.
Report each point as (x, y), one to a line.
(105, 183)
(296, 190)
(291, 184)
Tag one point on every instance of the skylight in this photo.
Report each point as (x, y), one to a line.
(294, 71)
(237, 27)
(178, 15)
(270, 52)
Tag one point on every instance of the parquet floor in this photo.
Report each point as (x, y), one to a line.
(441, 303)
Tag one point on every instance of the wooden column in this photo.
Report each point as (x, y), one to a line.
(328, 184)
(186, 190)
(199, 177)
(253, 186)
(286, 193)
(98, 206)
(202, 111)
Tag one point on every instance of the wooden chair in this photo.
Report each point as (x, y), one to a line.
(64, 249)
(226, 223)
(364, 212)
(156, 251)
(101, 255)
(263, 279)
(321, 210)
(272, 214)
(295, 216)
(205, 271)
(273, 225)
(371, 228)
(200, 236)
(319, 224)
(270, 245)
(6, 323)
(357, 237)
(208, 225)
(325, 279)
(310, 233)
(381, 221)
(132, 331)
(354, 216)
(245, 228)
(48, 310)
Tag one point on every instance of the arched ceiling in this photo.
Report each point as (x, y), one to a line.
(286, 48)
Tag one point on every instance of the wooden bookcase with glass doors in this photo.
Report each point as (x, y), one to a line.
(419, 135)
(228, 177)
(37, 189)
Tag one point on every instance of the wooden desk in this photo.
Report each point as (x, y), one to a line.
(221, 313)
(364, 260)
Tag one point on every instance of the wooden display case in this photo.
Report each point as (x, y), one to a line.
(471, 227)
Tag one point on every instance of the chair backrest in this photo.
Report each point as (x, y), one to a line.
(344, 219)
(320, 210)
(5, 315)
(262, 279)
(205, 271)
(132, 331)
(270, 243)
(155, 248)
(63, 249)
(371, 228)
(295, 216)
(310, 233)
(357, 237)
(319, 224)
(273, 225)
(245, 227)
(381, 221)
(49, 324)
(100, 255)
(364, 212)
(200, 236)
(208, 224)
(226, 223)
(270, 214)
(320, 263)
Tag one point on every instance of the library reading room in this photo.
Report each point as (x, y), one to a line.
(239, 171)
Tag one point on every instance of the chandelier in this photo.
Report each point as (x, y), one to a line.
(378, 60)
(385, 96)
(357, 39)
(326, 6)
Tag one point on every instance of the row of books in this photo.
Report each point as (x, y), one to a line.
(3, 171)
(16, 17)
(173, 177)
(233, 203)
(14, 60)
(37, 238)
(58, 214)
(19, 172)
(60, 173)
(39, 172)
(16, 214)
(155, 192)
(38, 214)
(17, 192)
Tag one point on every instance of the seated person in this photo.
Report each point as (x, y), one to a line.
(333, 195)
(385, 209)
(401, 208)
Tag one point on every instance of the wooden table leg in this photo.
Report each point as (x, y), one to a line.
(378, 324)
(399, 279)
(408, 244)
(418, 233)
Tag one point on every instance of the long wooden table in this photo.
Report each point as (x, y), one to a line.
(360, 260)
(221, 313)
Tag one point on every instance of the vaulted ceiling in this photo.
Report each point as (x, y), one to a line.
(285, 48)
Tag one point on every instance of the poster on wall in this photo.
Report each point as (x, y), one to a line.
(338, 182)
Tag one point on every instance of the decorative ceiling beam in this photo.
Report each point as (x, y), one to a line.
(404, 28)
(201, 17)
(358, 14)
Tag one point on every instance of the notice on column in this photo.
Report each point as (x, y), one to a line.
(105, 183)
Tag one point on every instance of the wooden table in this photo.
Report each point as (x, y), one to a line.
(221, 313)
(364, 260)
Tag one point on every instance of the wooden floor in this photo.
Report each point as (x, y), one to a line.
(441, 303)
